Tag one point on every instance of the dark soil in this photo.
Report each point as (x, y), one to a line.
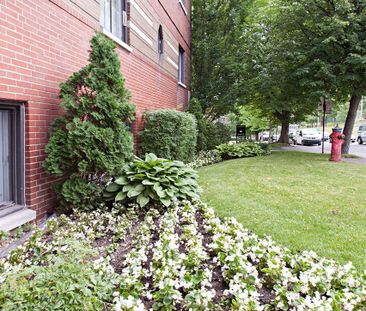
(218, 281)
(147, 265)
(123, 249)
(266, 295)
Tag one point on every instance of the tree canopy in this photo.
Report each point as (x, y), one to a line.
(218, 53)
(280, 56)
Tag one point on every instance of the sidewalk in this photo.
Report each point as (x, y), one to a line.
(357, 150)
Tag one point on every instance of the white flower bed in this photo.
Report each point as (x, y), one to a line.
(175, 257)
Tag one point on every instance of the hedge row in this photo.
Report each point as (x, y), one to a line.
(169, 134)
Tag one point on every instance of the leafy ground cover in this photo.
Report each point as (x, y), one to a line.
(180, 258)
(302, 200)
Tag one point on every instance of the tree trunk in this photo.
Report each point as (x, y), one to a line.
(350, 122)
(285, 128)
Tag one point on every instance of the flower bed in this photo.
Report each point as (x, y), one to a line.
(182, 258)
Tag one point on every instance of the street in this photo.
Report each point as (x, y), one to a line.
(356, 149)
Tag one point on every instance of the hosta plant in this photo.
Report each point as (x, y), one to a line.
(153, 180)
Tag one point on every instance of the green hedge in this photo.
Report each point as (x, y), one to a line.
(243, 150)
(169, 134)
(195, 108)
(217, 134)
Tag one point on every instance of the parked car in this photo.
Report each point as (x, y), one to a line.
(309, 136)
(264, 136)
(275, 138)
(361, 134)
(326, 136)
(353, 138)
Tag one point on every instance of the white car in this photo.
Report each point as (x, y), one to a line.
(264, 136)
(326, 136)
(309, 136)
(361, 134)
(353, 138)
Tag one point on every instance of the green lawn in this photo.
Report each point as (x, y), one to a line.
(302, 200)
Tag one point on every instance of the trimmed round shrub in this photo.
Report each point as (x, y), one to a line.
(169, 134)
(153, 180)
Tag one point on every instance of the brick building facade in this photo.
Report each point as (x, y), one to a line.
(43, 41)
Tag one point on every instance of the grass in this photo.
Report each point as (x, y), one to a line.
(302, 200)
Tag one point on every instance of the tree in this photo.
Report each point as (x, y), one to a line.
(252, 117)
(92, 138)
(217, 53)
(269, 78)
(330, 36)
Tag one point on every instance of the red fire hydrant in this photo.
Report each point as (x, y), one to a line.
(337, 139)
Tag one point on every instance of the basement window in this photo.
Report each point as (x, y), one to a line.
(11, 155)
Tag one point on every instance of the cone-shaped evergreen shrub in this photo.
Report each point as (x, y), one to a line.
(91, 140)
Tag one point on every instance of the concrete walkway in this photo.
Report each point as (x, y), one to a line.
(355, 149)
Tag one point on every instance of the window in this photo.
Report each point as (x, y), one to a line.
(181, 65)
(11, 155)
(183, 4)
(114, 18)
(160, 41)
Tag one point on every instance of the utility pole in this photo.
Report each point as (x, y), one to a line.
(361, 117)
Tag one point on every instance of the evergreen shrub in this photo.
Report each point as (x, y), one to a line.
(92, 139)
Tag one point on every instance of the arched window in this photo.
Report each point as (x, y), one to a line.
(160, 41)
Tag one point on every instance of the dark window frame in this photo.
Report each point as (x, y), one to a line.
(17, 150)
(181, 64)
(160, 41)
(124, 20)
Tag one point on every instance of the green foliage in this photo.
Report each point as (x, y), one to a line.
(204, 158)
(69, 282)
(153, 180)
(218, 52)
(92, 138)
(252, 117)
(195, 108)
(327, 40)
(217, 134)
(242, 150)
(4, 235)
(169, 134)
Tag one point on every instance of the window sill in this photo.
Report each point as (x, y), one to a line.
(183, 7)
(115, 39)
(182, 85)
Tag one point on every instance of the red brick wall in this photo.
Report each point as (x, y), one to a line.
(41, 43)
